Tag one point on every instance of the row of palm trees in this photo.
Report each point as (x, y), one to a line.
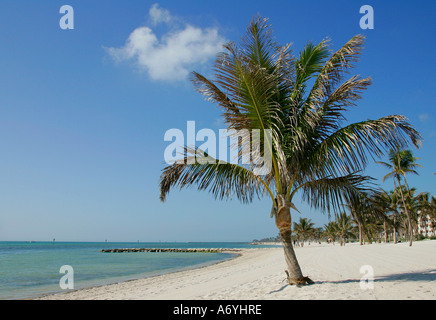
(342, 230)
(380, 219)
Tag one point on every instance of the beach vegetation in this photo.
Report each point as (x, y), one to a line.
(401, 162)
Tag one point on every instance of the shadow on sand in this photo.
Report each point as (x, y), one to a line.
(426, 275)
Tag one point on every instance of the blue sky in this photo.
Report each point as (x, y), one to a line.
(83, 112)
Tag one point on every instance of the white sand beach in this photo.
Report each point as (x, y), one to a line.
(400, 272)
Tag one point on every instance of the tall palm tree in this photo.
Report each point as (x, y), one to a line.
(400, 163)
(304, 229)
(301, 102)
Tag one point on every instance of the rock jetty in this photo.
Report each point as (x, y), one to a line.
(203, 250)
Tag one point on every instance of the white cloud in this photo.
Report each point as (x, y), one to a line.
(159, 15)
(175, 54)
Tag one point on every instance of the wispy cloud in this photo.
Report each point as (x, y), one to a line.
(159, 15)
(173, 55)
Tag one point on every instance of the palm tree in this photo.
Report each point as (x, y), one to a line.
(417, 205)
(304, 228)
(356, 206)
(317, 234)
(381, 206)
(366, 207)
(299, 102)
(331, 231)
(391, 204)
(400, 163)
(345, 227)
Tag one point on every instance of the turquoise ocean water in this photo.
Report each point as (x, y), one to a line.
(33, 269)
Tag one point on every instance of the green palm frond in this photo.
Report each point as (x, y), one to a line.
(330, 193)
(325, 99)
(311, 62)
(348, 149)
(224, 180)
(334, 69)
(231, 113)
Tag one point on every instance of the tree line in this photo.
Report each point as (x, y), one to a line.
(400, 214)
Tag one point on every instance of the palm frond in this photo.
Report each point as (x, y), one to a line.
(224, 180)
(311, 61)
(231, 113)
(329, 194)
(348, 149)
(334, 69)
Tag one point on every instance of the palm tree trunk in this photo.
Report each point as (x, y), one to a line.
(395, 228)
(386, 231)
(409, 220)
(284, 223)
(411, 224)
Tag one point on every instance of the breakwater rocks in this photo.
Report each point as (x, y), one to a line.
(205, 250)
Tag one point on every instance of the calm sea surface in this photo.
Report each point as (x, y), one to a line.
(33, 269)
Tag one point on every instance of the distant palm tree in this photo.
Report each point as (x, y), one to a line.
(301, 101)
(357, 205)
(391, 202)
(331, 230)
(418, 205)
(400, 163)
(317, 234)
(381, 207)
(366, 207)
(345, 227)
(304, 229)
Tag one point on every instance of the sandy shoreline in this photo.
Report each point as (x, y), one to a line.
(400, 272)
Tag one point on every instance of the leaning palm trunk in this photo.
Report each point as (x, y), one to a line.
(284, 224)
